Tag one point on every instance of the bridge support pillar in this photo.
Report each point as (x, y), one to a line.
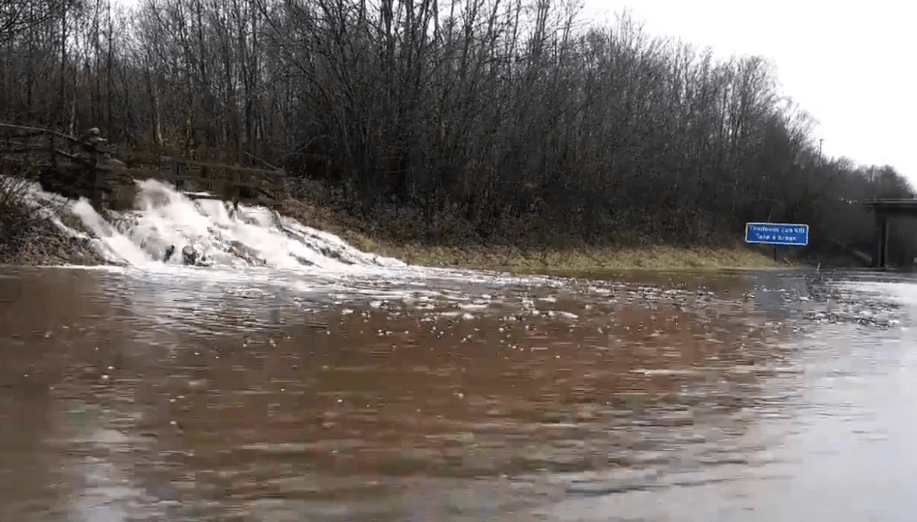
(882, 243)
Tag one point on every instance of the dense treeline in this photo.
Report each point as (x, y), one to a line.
(448, 121)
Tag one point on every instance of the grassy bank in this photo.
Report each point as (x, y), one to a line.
(538, 260)
(28, 237)
(580, 260)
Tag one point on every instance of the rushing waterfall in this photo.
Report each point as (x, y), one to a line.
(167, 227)
(167, 231)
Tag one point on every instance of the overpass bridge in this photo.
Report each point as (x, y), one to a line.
(885, 209)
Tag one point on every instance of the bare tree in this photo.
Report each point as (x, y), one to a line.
(445, 120)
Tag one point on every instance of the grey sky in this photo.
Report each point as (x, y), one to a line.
(849, 64)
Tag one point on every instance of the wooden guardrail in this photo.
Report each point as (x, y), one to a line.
(77, 167)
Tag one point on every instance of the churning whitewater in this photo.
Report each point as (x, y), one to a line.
(167, 227)
(168, 231)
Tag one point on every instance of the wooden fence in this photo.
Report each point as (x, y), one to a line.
(77, 167)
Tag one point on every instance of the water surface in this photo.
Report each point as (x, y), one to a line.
(196, 395)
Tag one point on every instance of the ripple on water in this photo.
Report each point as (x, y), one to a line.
(449, 395)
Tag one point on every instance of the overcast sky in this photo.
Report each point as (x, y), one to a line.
(851, 65)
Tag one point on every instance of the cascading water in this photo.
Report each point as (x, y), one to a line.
(169, 228)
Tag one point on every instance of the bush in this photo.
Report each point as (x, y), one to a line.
(27, 235)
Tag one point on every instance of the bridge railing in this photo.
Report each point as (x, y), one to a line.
(36, 151)
(220, 179)
(85, 168)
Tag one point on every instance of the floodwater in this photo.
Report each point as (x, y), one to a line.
(188, 396)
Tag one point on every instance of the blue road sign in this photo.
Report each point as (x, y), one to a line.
(777, 234)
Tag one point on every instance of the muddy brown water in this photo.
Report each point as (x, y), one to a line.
(184, 396)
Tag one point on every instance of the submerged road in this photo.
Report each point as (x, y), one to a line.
(195, 395)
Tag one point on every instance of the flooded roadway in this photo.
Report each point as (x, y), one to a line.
(145, 396)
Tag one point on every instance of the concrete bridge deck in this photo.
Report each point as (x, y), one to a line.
(885, 209)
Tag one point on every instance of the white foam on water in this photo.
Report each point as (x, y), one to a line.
(244, 244)
(223, 236)
(901, 292)
(113, 245)
(47, 205)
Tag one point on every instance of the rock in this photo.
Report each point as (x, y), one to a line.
(93, 135)
(169, 252)
(190, 254)
(250, 255)
(196, 256)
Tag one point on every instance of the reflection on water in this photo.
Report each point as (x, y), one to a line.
(178, 396)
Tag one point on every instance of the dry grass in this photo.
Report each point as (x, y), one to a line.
(27, 238)
(588, 259)
(505, 258)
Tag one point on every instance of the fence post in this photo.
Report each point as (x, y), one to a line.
(51, 150)
(94, 191)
